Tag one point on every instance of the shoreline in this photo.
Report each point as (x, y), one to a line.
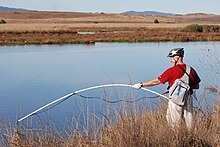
(53, 37)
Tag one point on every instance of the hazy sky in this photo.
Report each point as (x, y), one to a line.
(118, 6)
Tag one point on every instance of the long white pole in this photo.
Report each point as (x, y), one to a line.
(59, 99)
(86, 89)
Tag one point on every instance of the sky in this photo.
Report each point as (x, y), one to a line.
(118, 6)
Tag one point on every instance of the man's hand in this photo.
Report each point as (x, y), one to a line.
(137, 86)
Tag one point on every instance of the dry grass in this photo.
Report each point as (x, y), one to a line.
(55, 17)
(128, 130)
(20, 27)
(61, 27)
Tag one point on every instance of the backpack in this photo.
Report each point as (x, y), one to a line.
(179, 91)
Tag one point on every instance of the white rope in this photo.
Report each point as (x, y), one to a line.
(86, 89)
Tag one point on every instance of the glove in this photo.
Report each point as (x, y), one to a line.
(137, 86)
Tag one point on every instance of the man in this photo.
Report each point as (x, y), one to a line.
(176, 113)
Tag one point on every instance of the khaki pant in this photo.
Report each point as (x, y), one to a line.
(176, 114)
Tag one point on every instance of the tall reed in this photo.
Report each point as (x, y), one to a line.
(144, 128)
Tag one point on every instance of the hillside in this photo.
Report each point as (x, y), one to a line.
(149, 13)
(11, 9)
(71, 17)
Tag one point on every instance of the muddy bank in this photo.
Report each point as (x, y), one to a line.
(14, 38)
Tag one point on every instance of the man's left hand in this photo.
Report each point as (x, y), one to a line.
(137, 86)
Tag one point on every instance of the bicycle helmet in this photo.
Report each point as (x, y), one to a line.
(176, 52)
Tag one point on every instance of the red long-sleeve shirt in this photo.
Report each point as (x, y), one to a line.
(175, 72)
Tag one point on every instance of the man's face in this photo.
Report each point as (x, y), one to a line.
(174, 59)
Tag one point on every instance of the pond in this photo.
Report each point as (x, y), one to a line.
(34, 75)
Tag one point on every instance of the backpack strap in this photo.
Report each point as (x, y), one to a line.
(186, 76)
(187, 71)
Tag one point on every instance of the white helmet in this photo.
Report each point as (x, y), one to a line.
(176, 52)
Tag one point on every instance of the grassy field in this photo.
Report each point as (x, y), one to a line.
(64, 27)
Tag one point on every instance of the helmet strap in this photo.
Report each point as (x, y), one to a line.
(176, 60)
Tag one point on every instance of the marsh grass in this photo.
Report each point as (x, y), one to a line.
(129, 128)
(38, 33)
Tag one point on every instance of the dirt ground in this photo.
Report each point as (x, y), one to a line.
(26, 27)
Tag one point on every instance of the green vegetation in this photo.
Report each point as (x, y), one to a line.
(201, 28)
(2, 21)
(113, 40)
(156, 21)
(50, 42)
(211, 28)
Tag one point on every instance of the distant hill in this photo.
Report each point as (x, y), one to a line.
(149, 12)
(8, 9)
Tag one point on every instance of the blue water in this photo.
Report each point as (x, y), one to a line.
(32, 76)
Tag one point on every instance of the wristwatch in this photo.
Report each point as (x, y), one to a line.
(142, 84)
